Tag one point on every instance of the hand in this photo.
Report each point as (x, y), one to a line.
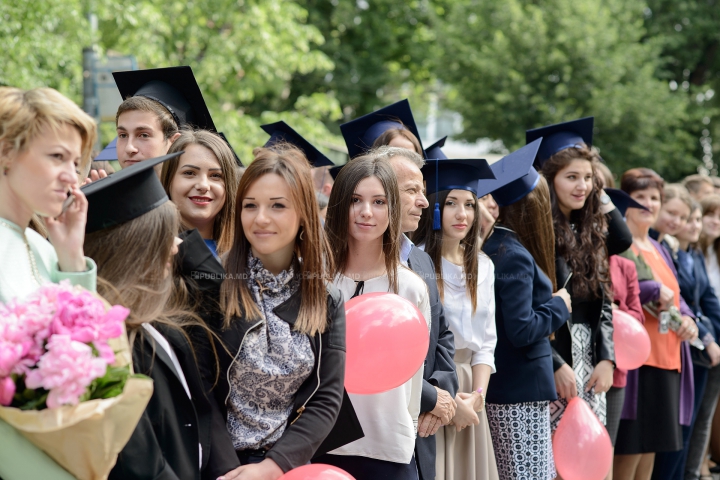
(265, 470)
(445, 406)
(666, 297)
(465, 414)
(688, 330)
(713, 351)
(565, 382)
(477, 402)
(95, 175)
(67, 233)
(428, 424)
(602, 377)
(562, 293)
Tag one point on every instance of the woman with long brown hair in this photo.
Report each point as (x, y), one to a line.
(202, 182)
(465, 278)
(281, 381)
(585, 236)
(180, 435)
(522, 248)
(363, 226)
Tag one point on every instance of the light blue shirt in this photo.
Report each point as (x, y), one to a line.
(406, 247)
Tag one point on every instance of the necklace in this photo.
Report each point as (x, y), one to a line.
(31, 256)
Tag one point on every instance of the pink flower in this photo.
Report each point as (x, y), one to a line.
(7, 391)
(66, 370)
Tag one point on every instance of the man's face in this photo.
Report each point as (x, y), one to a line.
(412, 199)
(140, 137)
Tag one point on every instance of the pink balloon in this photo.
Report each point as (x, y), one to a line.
(387, 342)
(317, 471)
(632, 342)
(581, 445)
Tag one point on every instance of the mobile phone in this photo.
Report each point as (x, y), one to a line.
(68, 201)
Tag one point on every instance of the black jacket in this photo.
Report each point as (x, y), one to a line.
(439, 364)
(164, 445)
(596, 312)
(323, 418)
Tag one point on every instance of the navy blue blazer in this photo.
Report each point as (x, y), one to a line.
(526, 314)
(696, 290)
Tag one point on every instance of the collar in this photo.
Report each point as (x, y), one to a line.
(406, 247)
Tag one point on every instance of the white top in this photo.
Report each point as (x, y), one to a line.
(165, 345)
(389, 419)
(475, 331)
(713, 269)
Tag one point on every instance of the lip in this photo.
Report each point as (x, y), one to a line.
(364, 225)
(460, 226)
(579, 198)
(263, 233)
(198, 200)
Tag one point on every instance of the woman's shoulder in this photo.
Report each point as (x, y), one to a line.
(42, 246)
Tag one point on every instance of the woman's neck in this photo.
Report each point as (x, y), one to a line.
(639, 232)
(12, 208)
(452, 251)
(204, 228)
(365, 260)
(683, 244)
(276, 262)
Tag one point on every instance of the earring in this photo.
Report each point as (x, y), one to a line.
(301, 234)
(5, 170)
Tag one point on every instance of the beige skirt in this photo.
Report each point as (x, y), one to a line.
(467, 454)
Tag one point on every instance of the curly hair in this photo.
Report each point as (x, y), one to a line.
(580, 239)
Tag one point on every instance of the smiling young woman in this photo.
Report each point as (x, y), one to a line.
(45, 142)
(203, 184)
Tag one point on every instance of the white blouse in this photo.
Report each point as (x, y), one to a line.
(713, 269)
(474, 331)
(389, 419)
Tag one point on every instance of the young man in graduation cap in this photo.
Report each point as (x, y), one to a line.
(156, 104)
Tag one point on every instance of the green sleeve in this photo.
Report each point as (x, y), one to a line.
(21, 460)
(86, 279)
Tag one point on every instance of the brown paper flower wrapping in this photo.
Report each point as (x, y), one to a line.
(86, 439)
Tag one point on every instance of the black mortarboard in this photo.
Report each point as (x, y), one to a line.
(125, 195)
(175, 88)
(282, 132)
(361, 133)
(561, 136)
(108, 153)
(434, 151)
(622, 200)
(335, 170)
(237, 159)
(515, 176)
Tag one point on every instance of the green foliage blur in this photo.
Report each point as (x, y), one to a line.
(648, 70)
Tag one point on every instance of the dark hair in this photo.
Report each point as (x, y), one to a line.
(388, 136)
(337, 223)
(710, 205)
(144, 104)
(641, 179)
(292, 166)
(432, 239)
(580, 239)
(531, 220)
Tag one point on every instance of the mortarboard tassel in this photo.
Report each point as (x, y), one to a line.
(436, 213)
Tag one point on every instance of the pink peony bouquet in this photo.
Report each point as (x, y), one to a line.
(55, 351)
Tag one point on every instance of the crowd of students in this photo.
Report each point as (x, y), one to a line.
(236, 279)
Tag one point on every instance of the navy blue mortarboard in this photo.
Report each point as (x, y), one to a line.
(335, 170)
(108, 153)
(515, 176)
(561, 136)
(622, 200)
(361, 133)
(237, 159)
(453, 174)
(434, 151)
(125, 195)
(282, 132)
(175, 88)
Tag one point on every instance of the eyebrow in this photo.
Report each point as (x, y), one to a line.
(139, 127)
(278, 198)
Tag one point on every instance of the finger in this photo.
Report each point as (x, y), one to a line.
(94, 175)
(102, 173)
(435, 428)
(592, 383)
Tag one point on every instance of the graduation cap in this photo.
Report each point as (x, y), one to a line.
(433, 151)
(515, 176)
(622, 200)
(108, 153)
(361, 133)
(335, 170)
(561, 136)
(455, 174)
(175, 88)
(237, 159)
(282, 132)
(125, 195)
